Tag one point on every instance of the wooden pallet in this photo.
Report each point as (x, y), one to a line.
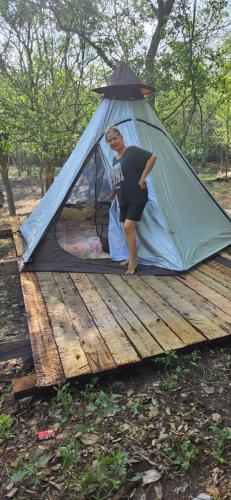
(82, 324)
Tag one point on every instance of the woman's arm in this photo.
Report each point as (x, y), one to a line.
(147, 169)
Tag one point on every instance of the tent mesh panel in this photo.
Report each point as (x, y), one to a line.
(102, 205)
(92, 190)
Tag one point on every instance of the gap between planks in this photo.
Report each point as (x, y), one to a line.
(72, 356)
(140, 336)
(117, 342)
(92, 343)
(158, 317)
(45, 354)
(178, 324)
(207, 292)
(201, 314)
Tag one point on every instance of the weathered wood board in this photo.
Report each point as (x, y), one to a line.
(82, 324)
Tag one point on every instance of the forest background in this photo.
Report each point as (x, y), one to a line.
(52, 53)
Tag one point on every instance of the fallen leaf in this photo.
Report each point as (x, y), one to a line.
(14, 463)
(158, 491)
(181, 489)
(89, 439)
(162, 435)
(208, 390)
(125, 427)
(212, 490)
(150, 476)
(184, 395)
(216, 417)
(153, 412)
(62, 436)
(203, 496)
(216, 472)
(173, 427)
(12, 493)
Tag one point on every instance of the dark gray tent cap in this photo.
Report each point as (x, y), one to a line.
(124, 84)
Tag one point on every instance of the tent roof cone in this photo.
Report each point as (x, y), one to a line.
(124, 84)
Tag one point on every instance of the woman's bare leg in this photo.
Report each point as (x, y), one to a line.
(130, 231)
(124, 263)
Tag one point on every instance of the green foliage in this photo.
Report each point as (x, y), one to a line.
(169, 382)
(51, 59)
(69, 454)
(134, 406)
(183, 455)
(100, 480)
(168, 360)
(222, 437)
(193, 356)
(30, 467)
(65, 401)
(5, 426)
(105, 404)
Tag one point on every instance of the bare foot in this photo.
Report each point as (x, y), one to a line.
(124, 263)
(131, 268)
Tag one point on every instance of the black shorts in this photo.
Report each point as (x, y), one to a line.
(131, 212)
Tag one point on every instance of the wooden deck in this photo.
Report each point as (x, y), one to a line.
(82, 324)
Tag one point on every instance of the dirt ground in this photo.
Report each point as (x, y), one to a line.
(156, 431)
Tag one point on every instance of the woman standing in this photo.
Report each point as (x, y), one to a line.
(130, 167)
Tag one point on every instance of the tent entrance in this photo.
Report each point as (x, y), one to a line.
(82, 227)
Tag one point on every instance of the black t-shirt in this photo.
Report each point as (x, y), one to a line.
(126, 173)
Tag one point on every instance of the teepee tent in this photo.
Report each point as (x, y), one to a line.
(76, 228)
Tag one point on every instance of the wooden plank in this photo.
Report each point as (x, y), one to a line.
(182, 329)
(139, 336)
(194, 314)
(8, 267)
(226, 263)
(15, 349)
(216, 275)
(206, 292)
(221, 319)
(211, 283)
(94, 347)
(45, 354)
(156, 326)
(226, 254)
(116, 340)
(22, 218)
(24, 386)
(15, 223)
(18, 244)
(221, 268)
(73, 359)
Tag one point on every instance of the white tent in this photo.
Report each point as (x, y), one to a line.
(182, 223)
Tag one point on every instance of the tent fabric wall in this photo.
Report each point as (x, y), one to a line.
(181, 225)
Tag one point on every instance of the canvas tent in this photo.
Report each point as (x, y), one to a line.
(182, 223)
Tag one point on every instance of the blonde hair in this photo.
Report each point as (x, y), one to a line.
(112, 129)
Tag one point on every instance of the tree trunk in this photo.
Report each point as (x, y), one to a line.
(17, 163)
(5, 177)
(162, 12)
(50, 174)
(41, 180)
